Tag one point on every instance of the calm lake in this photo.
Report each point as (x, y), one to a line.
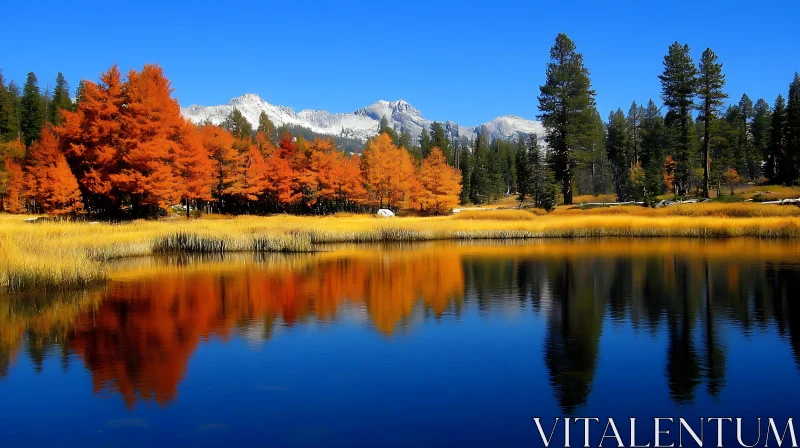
(428, 344)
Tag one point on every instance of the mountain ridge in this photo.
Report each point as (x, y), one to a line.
(360, 124)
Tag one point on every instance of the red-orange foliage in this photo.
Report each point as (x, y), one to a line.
(161, 321)
(441, 184)
(669, 172)
(50, 183)
(388, 172)
(194, 167)
(127, 141)
(91, 136)
(126, 146)
(14, 198)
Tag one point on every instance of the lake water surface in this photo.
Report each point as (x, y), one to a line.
(427, 344)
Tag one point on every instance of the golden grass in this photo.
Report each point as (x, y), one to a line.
(710, 209)
(587, 198)
(766, 192)
(499, 215)
(67, 254)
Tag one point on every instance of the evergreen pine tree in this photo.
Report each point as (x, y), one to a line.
(710, 81)
(31, 116)
(385, 128)
(523, 169)
(748, 160)
(480, 185)
(593, 158)
(60, 100)
(79, 92)
(777, 140)
(536, 167)
(566, 103)
(237, 124)
(440, 140)
(266, 126)
(618, 147)
(759, 132)
(425, 142)
(466, 163)
(9, 125)
(404, 140)
(548, 189)
(793, 131)
(634, 123)
(652, 153)
(678, 90)
(497, 184)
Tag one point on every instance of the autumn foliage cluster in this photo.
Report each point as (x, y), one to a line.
(126, 151)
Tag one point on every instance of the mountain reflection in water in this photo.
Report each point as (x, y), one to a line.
(137, 334)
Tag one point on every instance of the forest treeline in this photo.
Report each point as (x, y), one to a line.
(687, 146)
(122, 149)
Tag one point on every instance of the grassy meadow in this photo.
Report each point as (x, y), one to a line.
(58, 255)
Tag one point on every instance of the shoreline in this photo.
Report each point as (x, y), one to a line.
(66, 255)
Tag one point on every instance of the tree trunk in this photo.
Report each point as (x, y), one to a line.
(567, 190)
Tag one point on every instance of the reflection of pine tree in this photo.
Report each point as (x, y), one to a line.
(714, 352)
(571, 344)
(37, 351)
(683, 366)
(786, 311)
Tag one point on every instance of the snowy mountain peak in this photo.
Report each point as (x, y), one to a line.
(361, 124)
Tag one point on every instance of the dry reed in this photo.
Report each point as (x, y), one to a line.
(67, 254)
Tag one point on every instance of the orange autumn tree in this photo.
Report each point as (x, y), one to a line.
(218, 143)
(51, 184)
(152, 134)
(91, 140)
(321, 166)
(12, 179)
(669, 172)
(194, 168)
(330, 180)
(349, 187)
(281, 174)
(441, 184)
(129, 146)
(14, 195)
(388, 172)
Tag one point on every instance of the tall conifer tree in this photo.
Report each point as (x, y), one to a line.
(31, 115)
(566, 103)
(710, 81)
(678, 81)
(793, 131)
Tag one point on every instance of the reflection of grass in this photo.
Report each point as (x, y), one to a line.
(66, 254)
(47, 315)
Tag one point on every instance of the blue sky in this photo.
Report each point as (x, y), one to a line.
(464, 61)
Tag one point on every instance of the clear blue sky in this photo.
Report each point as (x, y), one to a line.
(457, 60)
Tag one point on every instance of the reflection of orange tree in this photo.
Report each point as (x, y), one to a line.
(139, 340)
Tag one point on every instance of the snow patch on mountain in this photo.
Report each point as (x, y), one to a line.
(361, 124)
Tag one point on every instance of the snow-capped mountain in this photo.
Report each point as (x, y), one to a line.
(361, 124)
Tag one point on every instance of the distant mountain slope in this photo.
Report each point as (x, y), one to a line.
(360, 124)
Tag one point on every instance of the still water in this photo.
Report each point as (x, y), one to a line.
(404, 345)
